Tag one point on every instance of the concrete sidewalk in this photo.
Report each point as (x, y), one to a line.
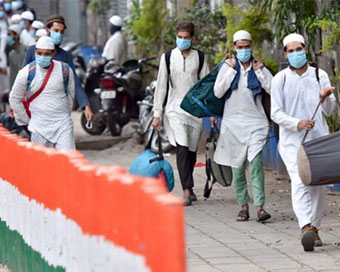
(216, 242)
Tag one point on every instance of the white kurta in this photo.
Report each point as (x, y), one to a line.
(116, 48)
(51, 110)
(26, 39)
(181, 127)
(244, 127)
(295, 98)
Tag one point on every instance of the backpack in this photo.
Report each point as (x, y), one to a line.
(167, 62)
(27, 99)
(148, 164)
(215, 172)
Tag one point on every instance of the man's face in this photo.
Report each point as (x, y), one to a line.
(44, 52)
(27, 23)
(57, 27)
(242, 44)
(184, 35)
(294, 47)
(13, 34)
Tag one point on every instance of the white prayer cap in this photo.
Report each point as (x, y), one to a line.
(15, 28)
(27, 15)
(294, 37)
(16, 17)
(38, 25)
(242, 35)
(116, 20)
(41, 33)
(45, 43)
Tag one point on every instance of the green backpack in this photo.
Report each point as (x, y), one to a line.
(201, 101)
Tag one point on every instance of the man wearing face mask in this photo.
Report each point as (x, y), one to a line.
(56, 27)
(244, 129)
(296, 92)
(26, 34)
(49, 119)
(184, 130)
(8, 8)
(17, 53)
(116, 47)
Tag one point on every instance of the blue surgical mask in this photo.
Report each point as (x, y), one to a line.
(2, 14)
(22, 24)
(17, 5)
(56, 37)
(8, 7)
(297, 59)
(43, 61)
(10, 40)
(243, 55)
(183, 44)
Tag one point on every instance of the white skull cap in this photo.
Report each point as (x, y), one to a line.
(16, 17)
(116, 20)
(294, 37)
(27, 15)
(38, 25)
(45, 43)
(15, 28)
(242, 35)
(41, 33)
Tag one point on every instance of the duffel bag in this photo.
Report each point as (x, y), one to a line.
(149, 164)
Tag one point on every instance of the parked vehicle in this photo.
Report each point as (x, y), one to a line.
(113, 93)
(144, 130)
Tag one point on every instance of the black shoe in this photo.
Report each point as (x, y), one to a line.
(187, 201)
(193, 197)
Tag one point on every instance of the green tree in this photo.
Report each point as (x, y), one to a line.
(147, 24)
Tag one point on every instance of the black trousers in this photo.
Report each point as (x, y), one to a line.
(186, 161)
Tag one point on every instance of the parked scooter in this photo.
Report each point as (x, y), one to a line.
(113, 93)
(144, 130)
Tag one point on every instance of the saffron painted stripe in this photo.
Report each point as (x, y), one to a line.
(56, 242)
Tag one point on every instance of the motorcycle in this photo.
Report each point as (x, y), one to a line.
(113, 93)
(144, 129)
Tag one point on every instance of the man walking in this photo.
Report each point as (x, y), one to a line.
(296, 91)
(56, 27)
(116, 47)
(17, 53)
(183, 129)
(244, 129)
(50, 93)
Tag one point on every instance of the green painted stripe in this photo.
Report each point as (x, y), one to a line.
(18, 256)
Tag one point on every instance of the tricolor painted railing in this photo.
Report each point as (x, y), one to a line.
(61, 213)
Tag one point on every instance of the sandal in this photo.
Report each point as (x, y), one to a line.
(262, 215)
(242, 216)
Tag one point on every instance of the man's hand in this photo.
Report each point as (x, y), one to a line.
(306, 124)
(324, 93)
(257, 64)
(88, 113)
(156, 123)
(213, 121)
(231, 62)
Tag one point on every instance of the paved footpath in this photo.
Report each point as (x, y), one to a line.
(217, 243)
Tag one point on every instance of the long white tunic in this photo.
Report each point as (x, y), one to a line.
(244, 127)
(51, 110)
(295, 98)
(116, 48)
(181, 127)
(26, 39)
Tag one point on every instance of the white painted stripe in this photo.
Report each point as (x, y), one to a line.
(60, 240)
